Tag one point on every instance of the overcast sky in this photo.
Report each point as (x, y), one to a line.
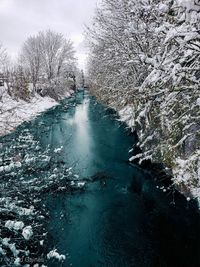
(22, 18)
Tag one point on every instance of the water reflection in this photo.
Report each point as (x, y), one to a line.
(82, 140)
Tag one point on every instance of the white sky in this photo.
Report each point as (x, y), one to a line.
(22, 18)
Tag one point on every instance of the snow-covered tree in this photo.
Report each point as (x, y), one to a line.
(45, 58)
(145, 62)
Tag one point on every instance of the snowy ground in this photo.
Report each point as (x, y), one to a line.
(13, 113)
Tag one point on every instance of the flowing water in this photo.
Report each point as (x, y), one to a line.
(108, 224)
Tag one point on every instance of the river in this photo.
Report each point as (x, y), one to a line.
(108, 224)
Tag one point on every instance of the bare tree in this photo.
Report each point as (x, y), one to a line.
(4, 59)
(31, 56)
(65, 55)
(56, 51)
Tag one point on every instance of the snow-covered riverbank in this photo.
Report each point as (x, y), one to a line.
(13, 112)
(185, 169)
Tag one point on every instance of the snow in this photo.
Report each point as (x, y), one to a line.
(12, 225)
(14, 250)
(127, 115)
(56, 255)
(27, 232)
(81, 184)
(27, 212)
(9, 167)
(14, 112)
(2, 252)
(17, 262)
(163, 8)
(58, 150)
(185, 171)
(188, 4)
(5, 242)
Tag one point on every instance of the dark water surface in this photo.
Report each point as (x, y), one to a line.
(107, 224)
